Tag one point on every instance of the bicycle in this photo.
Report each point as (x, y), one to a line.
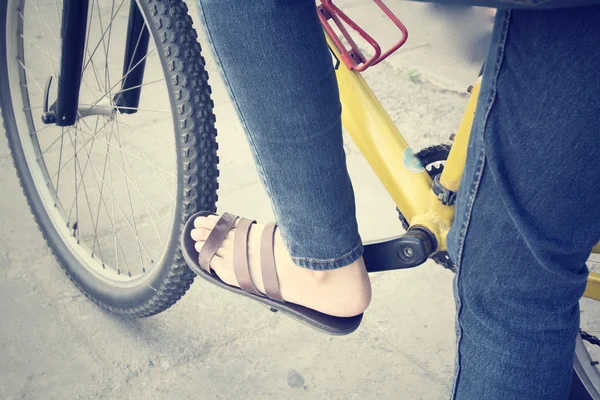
(130, 262)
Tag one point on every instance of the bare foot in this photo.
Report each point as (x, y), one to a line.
(343, 292)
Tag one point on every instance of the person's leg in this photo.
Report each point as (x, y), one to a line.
(276, 64)
(528, 211)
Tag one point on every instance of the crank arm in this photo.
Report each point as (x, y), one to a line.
(405, 251)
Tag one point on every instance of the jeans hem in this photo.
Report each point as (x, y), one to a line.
(330, 264)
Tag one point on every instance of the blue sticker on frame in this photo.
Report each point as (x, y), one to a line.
(411, 162)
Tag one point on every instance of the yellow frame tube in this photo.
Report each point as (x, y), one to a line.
(380, 142)
(391, 158)
(387, 152)
(453, 169)
(592, 290)
(438, 217)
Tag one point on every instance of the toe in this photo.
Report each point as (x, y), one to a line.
(199, 245)
(199, 234)
(206, 222)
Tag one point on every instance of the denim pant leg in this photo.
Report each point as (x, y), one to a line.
(528, 212)
(278, 68)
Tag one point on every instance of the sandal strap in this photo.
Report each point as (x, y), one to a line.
(215, 239)
(267, 260)
(240, 256)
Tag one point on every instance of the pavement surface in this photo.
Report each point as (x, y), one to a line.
(55, 344)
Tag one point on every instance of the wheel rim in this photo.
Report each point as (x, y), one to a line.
(110, 199)
(586, 354)
(585, 369)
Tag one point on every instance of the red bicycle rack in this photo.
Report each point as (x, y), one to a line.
(353, 57)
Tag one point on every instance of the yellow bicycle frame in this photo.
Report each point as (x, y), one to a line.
(392, 159)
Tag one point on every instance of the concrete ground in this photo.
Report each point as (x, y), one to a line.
(55, 344)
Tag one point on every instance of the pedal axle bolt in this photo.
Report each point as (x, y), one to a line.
(408, 252)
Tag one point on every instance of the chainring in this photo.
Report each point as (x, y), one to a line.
(432, 158)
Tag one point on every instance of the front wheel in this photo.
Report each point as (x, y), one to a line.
(110, 194)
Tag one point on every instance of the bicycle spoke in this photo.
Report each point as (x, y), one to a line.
(132, 133)
(29, 75)
(56, 140)
(91, 140)
(101, 200)
(143, 201)
(43, 22)
(39, 130)
(95, 168)
(87, 34)
(120, 80)
(32, 108)
(112, 13)
(103, 34)
(44, 34)
(37, 45)
(118, 246)
(144, 109)
(112, 201)
(87, 199)
(129, 196)
(100, 196)
(103, 44)
(151, 134)
(86, 163)
(135, 183)
(132, 155)
(141, 85)
(101, 88)
(137, 43)
(102, 38)
(86, 50)
(107, 45)
(76, 223)
(62, 136)
(58, 18)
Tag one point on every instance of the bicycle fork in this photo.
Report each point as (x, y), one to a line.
(66, 110)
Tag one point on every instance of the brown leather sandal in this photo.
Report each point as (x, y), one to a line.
(200, 264)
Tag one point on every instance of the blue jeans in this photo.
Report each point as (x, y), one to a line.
(528, 210)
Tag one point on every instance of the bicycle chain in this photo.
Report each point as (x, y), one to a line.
(429, 156)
